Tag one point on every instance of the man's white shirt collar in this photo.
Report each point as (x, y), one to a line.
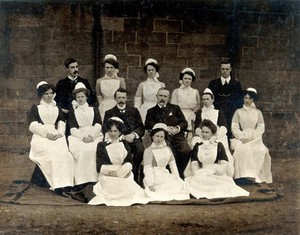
(119, 107)
(71, 78)
(223, 80)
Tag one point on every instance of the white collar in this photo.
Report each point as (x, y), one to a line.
(163, 144)
(53, 103)
(223, 80)
(78, 106)
(162, 106)
(184, 87)
(155, 78)
(72, 79)
(121, 108)
(210, 142)
(252, 106)
(205, 109)
(109, 140)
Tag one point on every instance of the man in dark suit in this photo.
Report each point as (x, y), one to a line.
(172, 116)
(64, 87)
(134, 129)
(227, 92)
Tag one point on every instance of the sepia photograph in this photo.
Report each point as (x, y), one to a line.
(150, 117)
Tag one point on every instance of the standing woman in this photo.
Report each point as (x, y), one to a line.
(145, 96)
(209, 165)
(160, 183)
(49, 148)
(85, 127)
(251, 157)
(107, 85)
(186, 97)
(116, 186)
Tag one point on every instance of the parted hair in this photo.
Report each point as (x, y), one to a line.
(119, 125)
(112, 62)
(252, 94)
(208, 123)
(43, 88)
(156, 66)
(154, 131)
(187, 72)
(84, 90)
(69, 61)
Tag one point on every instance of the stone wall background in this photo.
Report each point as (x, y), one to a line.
(261, 37)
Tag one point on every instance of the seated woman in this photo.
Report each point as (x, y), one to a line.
(49, 148)
(209, 112)
(209, 165)
(85, 127)
(187, 98)
(116, 186)
(251, 157)
(160, 183)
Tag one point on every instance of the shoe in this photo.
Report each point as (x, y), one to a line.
(66, 192)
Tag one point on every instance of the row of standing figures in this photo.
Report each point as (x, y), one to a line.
(184, 151)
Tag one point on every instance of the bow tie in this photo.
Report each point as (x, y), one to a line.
(122, 110)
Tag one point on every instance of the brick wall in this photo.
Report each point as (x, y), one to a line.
(262, 38)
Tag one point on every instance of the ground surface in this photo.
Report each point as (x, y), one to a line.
(273, 217)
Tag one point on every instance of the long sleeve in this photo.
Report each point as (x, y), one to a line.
(138, 128)
(172, 164)
(148, 168)
(222, 120)
(61, 127)
(138, 96)
(122, 83)
(198, 99)
(106, 169)
(124, 170)
(61, 122)
(198, 119)
(98, 87)
(76, 133)
(72, 119)
(34, 122)
(137, 102)
(221, 155)
(174, 99)
(98, 91)
(38, 128)
(74, 125)
(150, 118)
(59, 94)
(102, 158)
(97, 127)
(128, 157)
(174, 169)
(222, 160)
(182, 123)
(195, 163)
(195, 166)
(260, 126)
(96, 131)
(235, 126)
(105, 166)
